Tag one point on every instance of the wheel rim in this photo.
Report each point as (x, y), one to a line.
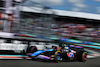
(85, 57)
(58, 56)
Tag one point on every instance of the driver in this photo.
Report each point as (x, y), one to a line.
(65, 48)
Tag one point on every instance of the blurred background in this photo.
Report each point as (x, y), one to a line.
(74, 19)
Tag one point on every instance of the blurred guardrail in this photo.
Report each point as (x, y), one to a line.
(87, 44)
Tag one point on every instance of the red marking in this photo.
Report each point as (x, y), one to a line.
(93, 48)
(24, 35)
(91, 55)
(9, 57)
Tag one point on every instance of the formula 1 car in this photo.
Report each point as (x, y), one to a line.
(63, 52)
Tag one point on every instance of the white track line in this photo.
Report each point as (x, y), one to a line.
(93, 55)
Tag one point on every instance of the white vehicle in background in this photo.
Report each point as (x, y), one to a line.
(42, 45)
(20, 46)
(12, 45)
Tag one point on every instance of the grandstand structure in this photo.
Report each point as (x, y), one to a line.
(9, 15)
(14, 20)
(90, 21)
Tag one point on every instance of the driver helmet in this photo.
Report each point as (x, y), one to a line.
(66, 48)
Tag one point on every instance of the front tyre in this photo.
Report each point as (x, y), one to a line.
(57, 56)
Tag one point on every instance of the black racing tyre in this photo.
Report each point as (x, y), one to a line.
(57, 56)
(32, 49)
(82, 56)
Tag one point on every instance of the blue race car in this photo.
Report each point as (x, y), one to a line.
(60, 53)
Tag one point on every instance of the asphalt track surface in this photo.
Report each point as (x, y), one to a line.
(94, 62)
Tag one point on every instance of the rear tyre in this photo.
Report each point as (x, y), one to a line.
(82, 56)
(32, 49)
